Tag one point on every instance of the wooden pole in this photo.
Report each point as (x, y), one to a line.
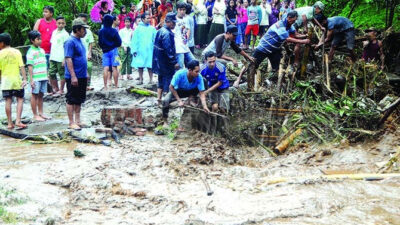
(306, 54)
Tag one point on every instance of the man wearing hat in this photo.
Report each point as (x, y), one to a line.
(307, 14)
(221, 42)
(75, 73)
(373, 47)
(339, 28)
(164, 55)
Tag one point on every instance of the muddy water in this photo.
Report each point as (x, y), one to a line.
(153, 180)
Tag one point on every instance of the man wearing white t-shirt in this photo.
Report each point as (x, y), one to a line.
(182, 33)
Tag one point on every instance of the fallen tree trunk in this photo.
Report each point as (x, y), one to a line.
(281, 147)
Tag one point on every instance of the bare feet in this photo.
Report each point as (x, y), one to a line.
(21, 125)
(45, 117)
(38, 119)
(10, 126)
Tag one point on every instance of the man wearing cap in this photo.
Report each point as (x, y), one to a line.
(75, 73)
(373, 48)
(221, 42)
(339, 28)
(270, 44)
(164, 55)
(306, 14)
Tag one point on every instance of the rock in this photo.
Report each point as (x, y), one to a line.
(140, 133)
(78, 153)
(106, 142)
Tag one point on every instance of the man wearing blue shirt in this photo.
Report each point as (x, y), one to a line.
(339, 28)
(185, 83)
(75, 73)
(218, 85)
(270, 44)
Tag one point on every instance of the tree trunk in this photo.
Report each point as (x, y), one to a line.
(353, 6)
(393, 4)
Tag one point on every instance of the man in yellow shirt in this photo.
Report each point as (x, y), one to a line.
(11, 66)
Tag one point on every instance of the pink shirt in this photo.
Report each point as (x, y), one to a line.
(242, 15)
(46, 30)
(121, 18)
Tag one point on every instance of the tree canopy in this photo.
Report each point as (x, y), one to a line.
(17, 17)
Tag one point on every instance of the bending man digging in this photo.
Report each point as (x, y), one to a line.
(185, 83)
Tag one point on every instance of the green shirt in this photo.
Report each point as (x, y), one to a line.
(88, 39)
(37, 58)
(58, 38)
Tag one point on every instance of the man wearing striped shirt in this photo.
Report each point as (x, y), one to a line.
(270, 44)
(37, 66)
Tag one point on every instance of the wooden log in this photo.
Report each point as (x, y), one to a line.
(281, 147)
(281, 71)
(284, 110)
(251, 77)
(306, 54)
(333, 177)
(141, 91)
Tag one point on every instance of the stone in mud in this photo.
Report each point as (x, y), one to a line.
(111, 115)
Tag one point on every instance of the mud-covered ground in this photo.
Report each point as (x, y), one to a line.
(156, 180)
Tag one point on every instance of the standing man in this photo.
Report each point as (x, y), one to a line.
(218, 85)
(87, 42)
(339, 28)
(185, 83)
(254, 14)
(221, 42)
(46, 26)
(182, 35)
(270, 44)
(75, 73)
(164, 55)
(142, 46)
(373, 48)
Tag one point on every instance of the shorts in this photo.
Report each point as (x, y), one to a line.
(40, 87)
(76, 95)
(13, 93)
(110, 58)
(348, 35)
(56, 67)
(274, 58)
(252, 28)
(221, 98)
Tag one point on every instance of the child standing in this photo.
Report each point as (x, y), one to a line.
(58, 38)
(11, 65)
(109, 41)
(253, 25)
(126, 56)
(36, 61)
(122, 17)
(243, 20)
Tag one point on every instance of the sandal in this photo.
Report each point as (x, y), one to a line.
(74, 127)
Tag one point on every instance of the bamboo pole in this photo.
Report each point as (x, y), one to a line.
(281, 147)
(333, 177)
(306, 54)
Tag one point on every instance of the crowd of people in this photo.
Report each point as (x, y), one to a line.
(161, 37)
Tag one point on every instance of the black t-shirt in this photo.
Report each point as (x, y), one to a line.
(231, 13)
(102, 13)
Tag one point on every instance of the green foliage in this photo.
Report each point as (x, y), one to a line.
(366, 13)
